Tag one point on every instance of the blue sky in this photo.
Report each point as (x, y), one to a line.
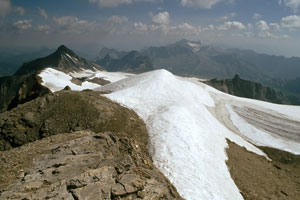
(268, 26)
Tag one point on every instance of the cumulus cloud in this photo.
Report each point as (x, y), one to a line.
(227, 17)
(188, 29)
(43, 13)
(116, 3)
(139, 26)
(23, 24)
(115, 19)
(291, 22)
(266, 30)
(71, 24)
(205, 4)
(256, 16)
(293, 4)
(161, 18)
(274, 26)
(5, 7)
(231, 25)
(43, 27)
(262, 26)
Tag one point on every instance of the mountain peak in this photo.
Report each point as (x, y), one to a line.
(63, 58)
(63, 49)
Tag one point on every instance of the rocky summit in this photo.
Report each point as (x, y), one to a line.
(98, 154)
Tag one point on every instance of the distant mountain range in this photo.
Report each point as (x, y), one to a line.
(130, 62)
(190, 58)
(252, 90)
(184, 58)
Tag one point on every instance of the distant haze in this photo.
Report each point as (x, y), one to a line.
(270, 27)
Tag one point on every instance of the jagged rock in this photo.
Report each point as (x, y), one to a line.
(253, 90)
(92, 173)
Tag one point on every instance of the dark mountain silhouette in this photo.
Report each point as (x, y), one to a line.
(25, 85)
(63, 59)
(131, 62)
(253, 90)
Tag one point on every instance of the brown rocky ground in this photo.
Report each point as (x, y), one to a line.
(82, 165)
(65, 112)
(258, 179)
(77, 145)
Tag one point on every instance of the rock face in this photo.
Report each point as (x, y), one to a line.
(63, 59)
(16, 90)
(25, 85)
(102, 153)
(252, 90)
(85, 165)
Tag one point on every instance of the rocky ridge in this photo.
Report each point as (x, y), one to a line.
(77, 145)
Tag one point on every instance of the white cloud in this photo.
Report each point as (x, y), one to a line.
(291, 22)
(116, 3)
(71, 24)
(161, 18)
(139, 26)
(206, 4)
(262, 26)
(231, 25)
(227, 17)
(274, 26)
(115, 19)
(188, 29)
(266, 30)
(5, 7)
(23, 24)
(43, 13)
(256, 16)
(43, 27)
(293, 4)
(19, 10)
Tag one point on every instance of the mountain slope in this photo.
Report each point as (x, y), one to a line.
(131, 62)
(196, 59)
(63, 59)
(16, 90)
(189, 122)
(27, 82)
(73, 162)
(252, 90)
(189, 127)
(10, 60)
(111, 52)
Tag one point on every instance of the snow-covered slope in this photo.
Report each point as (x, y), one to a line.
(187, 139)
(188, 124)
(57, 80)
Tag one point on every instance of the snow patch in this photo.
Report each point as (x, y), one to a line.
(260, 137)
(56, 80)
(109, 76)
(193, 44)
(75, 60)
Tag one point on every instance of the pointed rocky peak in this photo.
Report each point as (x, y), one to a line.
(63, 59)
(62, 49)
(236, 77)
